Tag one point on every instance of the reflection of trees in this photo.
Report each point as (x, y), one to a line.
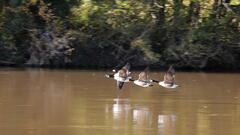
(52, 96)
(36, 102)
(40, 101)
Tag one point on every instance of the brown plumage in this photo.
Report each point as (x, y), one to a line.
(127, 66)
(169, 76)
(124, 73)
(144, 76)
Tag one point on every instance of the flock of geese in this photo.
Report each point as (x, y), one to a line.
(124, 75)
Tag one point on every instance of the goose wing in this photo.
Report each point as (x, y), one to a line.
(124, 72)
(169, 76)
(144, 75)
(127, 66)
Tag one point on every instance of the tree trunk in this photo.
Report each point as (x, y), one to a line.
(3, 3)
(193, 16)
(215, 9)
(158, 36)
(177, 5)
(161, 13)
(177, 17)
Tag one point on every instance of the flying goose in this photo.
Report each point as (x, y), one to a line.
(169, 79)
(122, 76)
(143, 79)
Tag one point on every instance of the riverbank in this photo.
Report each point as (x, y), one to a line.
(109, 69)
(104, 35)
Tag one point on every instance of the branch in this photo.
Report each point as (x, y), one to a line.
(155, 3)
(7, 62)
(226, 6)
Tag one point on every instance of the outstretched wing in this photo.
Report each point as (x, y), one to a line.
(127, 66)
(119, 85)
(144, 75)
(169, 76)
(124, 72)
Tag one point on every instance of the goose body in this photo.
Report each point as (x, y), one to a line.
(143, 79)
(168, 85)
(121, 79)
(143, 84)
(122, 76)
(169, 79)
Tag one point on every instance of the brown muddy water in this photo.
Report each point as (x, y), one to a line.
(75, 102)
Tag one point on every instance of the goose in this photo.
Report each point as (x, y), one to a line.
(122, 76)
(143, 79)
(169, 79)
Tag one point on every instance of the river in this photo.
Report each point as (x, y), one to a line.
(79, 102)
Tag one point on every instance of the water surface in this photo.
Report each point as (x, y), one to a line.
(75, 102)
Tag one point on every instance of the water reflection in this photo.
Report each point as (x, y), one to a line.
(166, 124)
(142, 117)
(121, 109)
(60, 102)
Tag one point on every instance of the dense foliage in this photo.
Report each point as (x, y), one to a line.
(200, 34)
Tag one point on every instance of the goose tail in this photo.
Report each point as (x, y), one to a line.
(154, 81)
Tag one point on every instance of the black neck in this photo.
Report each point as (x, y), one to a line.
(112, 76)
(155, 81)
(131, 80)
